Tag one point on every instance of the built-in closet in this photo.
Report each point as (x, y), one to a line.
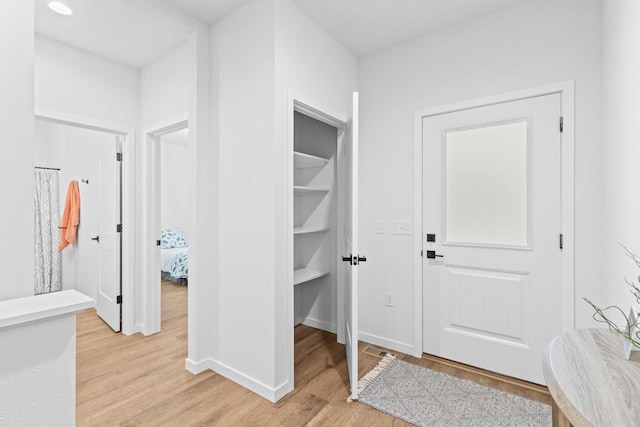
(315, 223)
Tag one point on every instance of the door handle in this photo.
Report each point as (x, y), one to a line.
(354, 260)
(97, 238)
(433, 255)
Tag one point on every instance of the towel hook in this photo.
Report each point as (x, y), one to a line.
(86, 181)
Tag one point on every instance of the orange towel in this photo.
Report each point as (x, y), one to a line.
(71, 217)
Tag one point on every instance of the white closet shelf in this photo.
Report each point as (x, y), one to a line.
(309, 190)
(306, 274)
(305, 230)
(302, 160)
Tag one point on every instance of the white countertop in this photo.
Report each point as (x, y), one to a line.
(40, 307)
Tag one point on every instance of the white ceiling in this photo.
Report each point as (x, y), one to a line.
(134, 32)
(127, 31)
(366, 26)
(207, 11)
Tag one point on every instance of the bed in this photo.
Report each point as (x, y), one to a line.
(174, 256)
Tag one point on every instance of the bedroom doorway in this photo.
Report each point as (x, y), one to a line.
(168, 217)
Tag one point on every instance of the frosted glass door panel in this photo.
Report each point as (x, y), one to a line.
(486, 185)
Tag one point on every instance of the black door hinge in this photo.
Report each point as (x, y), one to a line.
(119, 228)
(561, 124)
(118, 157)
(119, 299)
(561, 241)
(157, 242)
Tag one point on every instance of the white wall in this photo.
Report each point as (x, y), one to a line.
(16, 128)
(78, 86)
(311, 63)
(528, 45)
(259, 52)
(164, 101)
(164, 89)
(82, 85)
(243, 80)
(174, 181)
(38, 374)
(621, 136)
(75, 152)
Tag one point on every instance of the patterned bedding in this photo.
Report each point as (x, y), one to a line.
(174, 255)
(175, 262)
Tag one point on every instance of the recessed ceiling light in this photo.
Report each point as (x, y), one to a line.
(60, 7)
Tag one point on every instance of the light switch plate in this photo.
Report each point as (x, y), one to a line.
(388, 299)
(401, 227)
(379, 226)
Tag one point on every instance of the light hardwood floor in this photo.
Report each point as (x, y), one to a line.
(136, 380)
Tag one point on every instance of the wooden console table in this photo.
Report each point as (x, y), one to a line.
(591, 381)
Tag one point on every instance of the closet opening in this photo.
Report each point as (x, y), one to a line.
(79, 227)
(318, 236)
(168, 220)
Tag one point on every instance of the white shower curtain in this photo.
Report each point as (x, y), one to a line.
(47, 256)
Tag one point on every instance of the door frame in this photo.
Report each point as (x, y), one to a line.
(152, 313)
(127, 202)
(298, 102)
(566, 90)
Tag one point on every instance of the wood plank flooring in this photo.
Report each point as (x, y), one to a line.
(137, 380)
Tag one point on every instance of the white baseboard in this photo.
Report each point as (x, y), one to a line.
(137, 329)
(321, 324)
(282, 390)
(197, 367)
(387, 343)
(261, 389)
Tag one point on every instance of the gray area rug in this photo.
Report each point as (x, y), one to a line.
(425, 397)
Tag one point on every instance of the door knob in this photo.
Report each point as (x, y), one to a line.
(347, 259)
(433, 255)
(362, 259)
(97, 238)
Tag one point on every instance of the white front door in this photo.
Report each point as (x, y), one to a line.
(492, 222)
(351, 259)
(109, 238)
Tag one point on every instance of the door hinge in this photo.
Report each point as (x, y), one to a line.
(119, 299)
(118, 157)
(421, 253)
(157, 242)
(119, 228)
(561, 124)
(561, 241)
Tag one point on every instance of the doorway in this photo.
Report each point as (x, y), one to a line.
(168, 225)
(87, 162)
(323, 223)
(495, 238)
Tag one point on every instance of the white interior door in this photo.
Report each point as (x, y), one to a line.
(110, 244)
(492, 205)
(351, 258)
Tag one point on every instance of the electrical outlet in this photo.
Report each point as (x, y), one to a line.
(379, 226)
(401, 227)
(388, 299)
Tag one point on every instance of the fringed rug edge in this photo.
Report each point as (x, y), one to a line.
(370, 377)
